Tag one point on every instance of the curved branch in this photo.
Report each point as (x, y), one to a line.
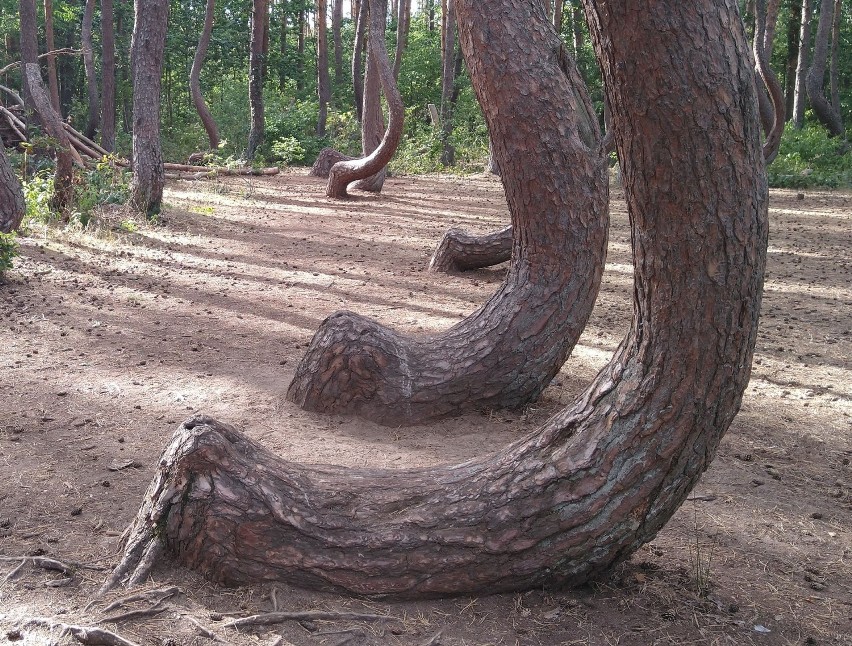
(770, 81)
(462, 251)
(344, 173)
(195, 77)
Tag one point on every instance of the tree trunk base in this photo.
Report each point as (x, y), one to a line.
(461, 251)
(327, 158)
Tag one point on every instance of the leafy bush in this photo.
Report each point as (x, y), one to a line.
(287, 150)
(9, 250)
(107, 183)
(37, 192)
(809, 157)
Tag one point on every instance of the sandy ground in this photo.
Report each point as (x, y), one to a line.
(109, 338)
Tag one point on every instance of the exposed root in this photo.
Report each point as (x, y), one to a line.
(270, 618)
(89, 635)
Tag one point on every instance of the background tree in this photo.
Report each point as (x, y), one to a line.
(12, 206)
(258, 18)
(52, 81)
(800, 96)
(195, 76)
(108, 76)
(815, 81)
(323, 81)
(448, 50)
(93, 119)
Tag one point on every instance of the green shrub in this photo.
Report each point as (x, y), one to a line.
(287, 150)
(9, 250)
(809, 158)
(107, 183)
(37, 193)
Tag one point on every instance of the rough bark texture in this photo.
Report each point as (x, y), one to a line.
(374, 161)
(93, 111)
(448, 77)
(358, 59)
(800, 96)
(146, 56)
(773, 120)
(195, 77)
(834, 70)
(461, 251)
(323, 80)
(327, 158)
(336, 23)
(12, 206)
(507, 352)
(29, 45)
(108, 73)
(258, 18)
(602, 477)
(52, 81)
(558, 7)
(372, 120)
(816, 75)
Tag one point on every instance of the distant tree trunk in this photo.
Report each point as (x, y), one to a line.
(52, 81)
(401, 35)
(558, 7)
(800, 95)
(38, 101)
(448, 49)
(372, 117)
(794, 27)
(300, 56)
(430, 15)
(336, 23)
(282, 50)
(265, 43)
(108, 73)
(601, 478)
(323, 80)
(547, 148)
(93, 109)
(12, 206)
(577, 24)
(834, 71)
(770, 95)
(816, 76)
(146, 57)
(195, 77)
(258, 17)
(357, 59)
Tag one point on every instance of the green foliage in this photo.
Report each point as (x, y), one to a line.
(9, 250)
(287, 150)
(809, 158)
(107, 183)
(37, 193)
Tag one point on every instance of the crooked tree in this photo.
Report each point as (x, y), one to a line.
(815, 80)
(602, 477)
(195, 77)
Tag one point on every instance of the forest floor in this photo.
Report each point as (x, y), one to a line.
(110, 338)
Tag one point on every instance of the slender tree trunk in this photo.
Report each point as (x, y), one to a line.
(93, 109)
(356, 366)
(794, 27)
(146, 60)
(558, 7)
(12, 206)
(282, 68)
(800, 95)
(770, 95)
(108, 72)
(401, 35)
(52, 81)
(38, 102)
(834, 71)
(448, 49)
(265, 42)
(258, 122)
(357, 59)
(601, 478)
(195, 77)
(323, 80)
(300, 57)
(372, 119)
(816, 75)
(577, 23)
(336, 22)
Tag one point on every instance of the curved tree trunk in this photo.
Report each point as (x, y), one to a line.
(327, 158)
(93, 109)
(773, 121)
(507, 352)
(323, 80)
(52, 81)
(358, 57)
(146, 56)
(12, 207)
(372, 121)
(602, 477)
(108, 73)
(816, 75)
(374, 161)
(258, 18)
(794, 26)
(800, 97)
(461, 251)
(195, 77)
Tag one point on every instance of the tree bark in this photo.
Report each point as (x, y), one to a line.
(195, 77)
(816, 75)
(401, 35)
(336, 23)
(448, 49)
(12, 207)
(371, 167)
(146, 56)
(258, 122)
(601, 478)
(108, 73)
(327, 158)
(558, 7)
(323, 80)
(800, 95)
(460, 251)
(794, 26)
(834, 70)
(507, 352)
(772, 117)
(93, 109)
(29, 48)
(357, 59)
(300, 57)
(52, 81)
(577, 23)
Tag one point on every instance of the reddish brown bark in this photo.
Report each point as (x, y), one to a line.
(834, 67)
(507, 352)
(401, 35)
(357, 58)
(374, 161)
(93, 111)
(372, 120)
(448, 49)
(772, 116)
(336, 22)
(146, 55)
(258, 18)
(602, 477)
(12, 206)
(108, 72)
(52, 81)
(323, 80)
(823, 109)
(461, 251)
(195, 77)
(327, 158)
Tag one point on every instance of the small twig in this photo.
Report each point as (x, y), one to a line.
(156, 609)
(205, 632)
(89, 635)
(274, 596)
(163, 593)
(42, 562)
(14, 572)
(268, 618)
(62, 50)
(435, 640)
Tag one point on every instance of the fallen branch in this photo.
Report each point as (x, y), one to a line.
(91, 144)
(156, 609)
(163, 593)
(13, 94)
(89, 635)
(61, 50)
(273, 170)
(205, 632)
(42, 562)
(14, 572)
(269, 618)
